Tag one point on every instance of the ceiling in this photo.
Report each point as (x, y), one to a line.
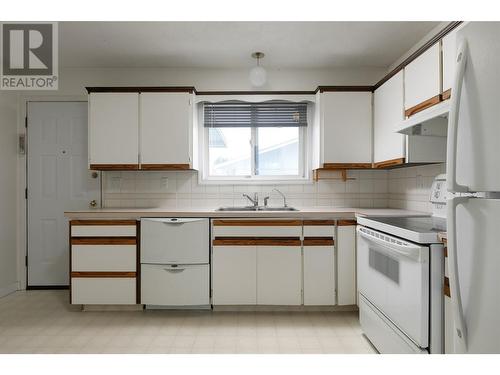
(304, 45)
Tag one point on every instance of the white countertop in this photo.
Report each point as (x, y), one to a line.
(305, 212)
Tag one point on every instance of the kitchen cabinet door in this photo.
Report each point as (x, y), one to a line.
(346, 258)
(234, 275)
(279, 275)
(423, 81)
(165, 128)
(319, 275)
(346, 119)
(388, 113)
(114, 130)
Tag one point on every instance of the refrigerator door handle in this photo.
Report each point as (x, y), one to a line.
(460, 334)
(456, 94)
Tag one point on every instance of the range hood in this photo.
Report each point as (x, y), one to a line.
(430, 122)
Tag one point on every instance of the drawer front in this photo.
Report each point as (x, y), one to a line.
(103, 231)
(257, 231)
(319, 231)
(165, 285)
(100, 291)
(103, 258)
(175, 240)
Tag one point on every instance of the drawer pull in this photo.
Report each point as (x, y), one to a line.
(174, 270)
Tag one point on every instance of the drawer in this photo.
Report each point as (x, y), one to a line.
(257, 228)
(185, 285)
(319, 231)
(175, 240)
(103, 258)
(103, 230)
(103, 290)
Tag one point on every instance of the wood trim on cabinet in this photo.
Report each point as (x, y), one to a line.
(337, 166)
(446, 95)
(436, 38)
(424, 105)
(103, 274)
(70, 261)
(389, 163)
(319, 222)
(104, 240)
(189, 89)
(256, 223)
(446, 287)
(103, 222)
(114, 167)
(318, 241)
(256, 241)
(344, 89)
(165, 167)
(445, 252)
(343, 223)
(138, 265)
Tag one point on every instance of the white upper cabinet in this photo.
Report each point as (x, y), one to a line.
(345, 127)
(165, 128)
(114, 129)
(388, 112)
(423, 81)
(449, 51)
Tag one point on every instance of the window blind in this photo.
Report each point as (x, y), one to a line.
(264, 114)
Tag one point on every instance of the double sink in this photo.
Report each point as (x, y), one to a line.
(256, 208)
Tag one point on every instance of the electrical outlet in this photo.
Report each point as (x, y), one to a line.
(420, 181)
(116, 183)
(164, 183)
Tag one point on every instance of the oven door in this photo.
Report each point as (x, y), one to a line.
(393, 275)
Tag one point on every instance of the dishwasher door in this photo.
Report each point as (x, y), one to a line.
(175, 241)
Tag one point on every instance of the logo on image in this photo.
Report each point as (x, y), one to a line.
(29, 58)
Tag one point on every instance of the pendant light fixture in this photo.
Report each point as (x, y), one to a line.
(258, 74)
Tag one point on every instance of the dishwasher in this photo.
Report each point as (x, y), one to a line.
(175, 269)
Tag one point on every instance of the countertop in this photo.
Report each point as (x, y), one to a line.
(304, 212)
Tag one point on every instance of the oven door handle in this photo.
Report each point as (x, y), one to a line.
(412, 252)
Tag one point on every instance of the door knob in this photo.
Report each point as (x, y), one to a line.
(95, 174)
(93, 203)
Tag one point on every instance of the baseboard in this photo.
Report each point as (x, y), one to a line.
(272, 308)
(112, 307)
(9, 289)
(47, 287)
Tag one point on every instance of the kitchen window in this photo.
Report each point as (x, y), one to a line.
(254, 141)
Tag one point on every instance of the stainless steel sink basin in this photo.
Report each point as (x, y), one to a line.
(257, 208)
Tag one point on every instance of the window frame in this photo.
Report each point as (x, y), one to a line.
(303, 177)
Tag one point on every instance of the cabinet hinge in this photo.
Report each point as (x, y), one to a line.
(26, 122)
(26, 193)
(26, 260)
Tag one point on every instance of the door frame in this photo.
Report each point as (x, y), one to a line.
(22, 167)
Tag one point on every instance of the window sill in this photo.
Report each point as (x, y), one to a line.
(294, 181)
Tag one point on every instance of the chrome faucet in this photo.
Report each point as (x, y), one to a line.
(254, 200)
(283, 196)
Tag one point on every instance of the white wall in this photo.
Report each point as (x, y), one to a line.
(8, 193)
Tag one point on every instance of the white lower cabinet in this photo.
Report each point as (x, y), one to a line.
(279, 275)
(234, 275)
(102, 290)
(319, 275)
(346, 258)
(179, 285)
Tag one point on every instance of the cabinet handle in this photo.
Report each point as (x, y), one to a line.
(174, 270)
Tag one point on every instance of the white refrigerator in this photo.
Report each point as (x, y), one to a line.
(473, 178)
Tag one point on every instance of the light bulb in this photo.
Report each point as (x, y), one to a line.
(258, 76)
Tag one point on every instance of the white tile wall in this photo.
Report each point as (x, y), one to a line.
(409, 188)
(181, 189)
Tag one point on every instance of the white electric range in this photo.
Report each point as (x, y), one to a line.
(400, 267)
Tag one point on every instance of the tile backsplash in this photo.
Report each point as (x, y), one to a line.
(182, 190)
(409, 188)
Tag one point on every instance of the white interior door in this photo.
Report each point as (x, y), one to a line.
(58, 180)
